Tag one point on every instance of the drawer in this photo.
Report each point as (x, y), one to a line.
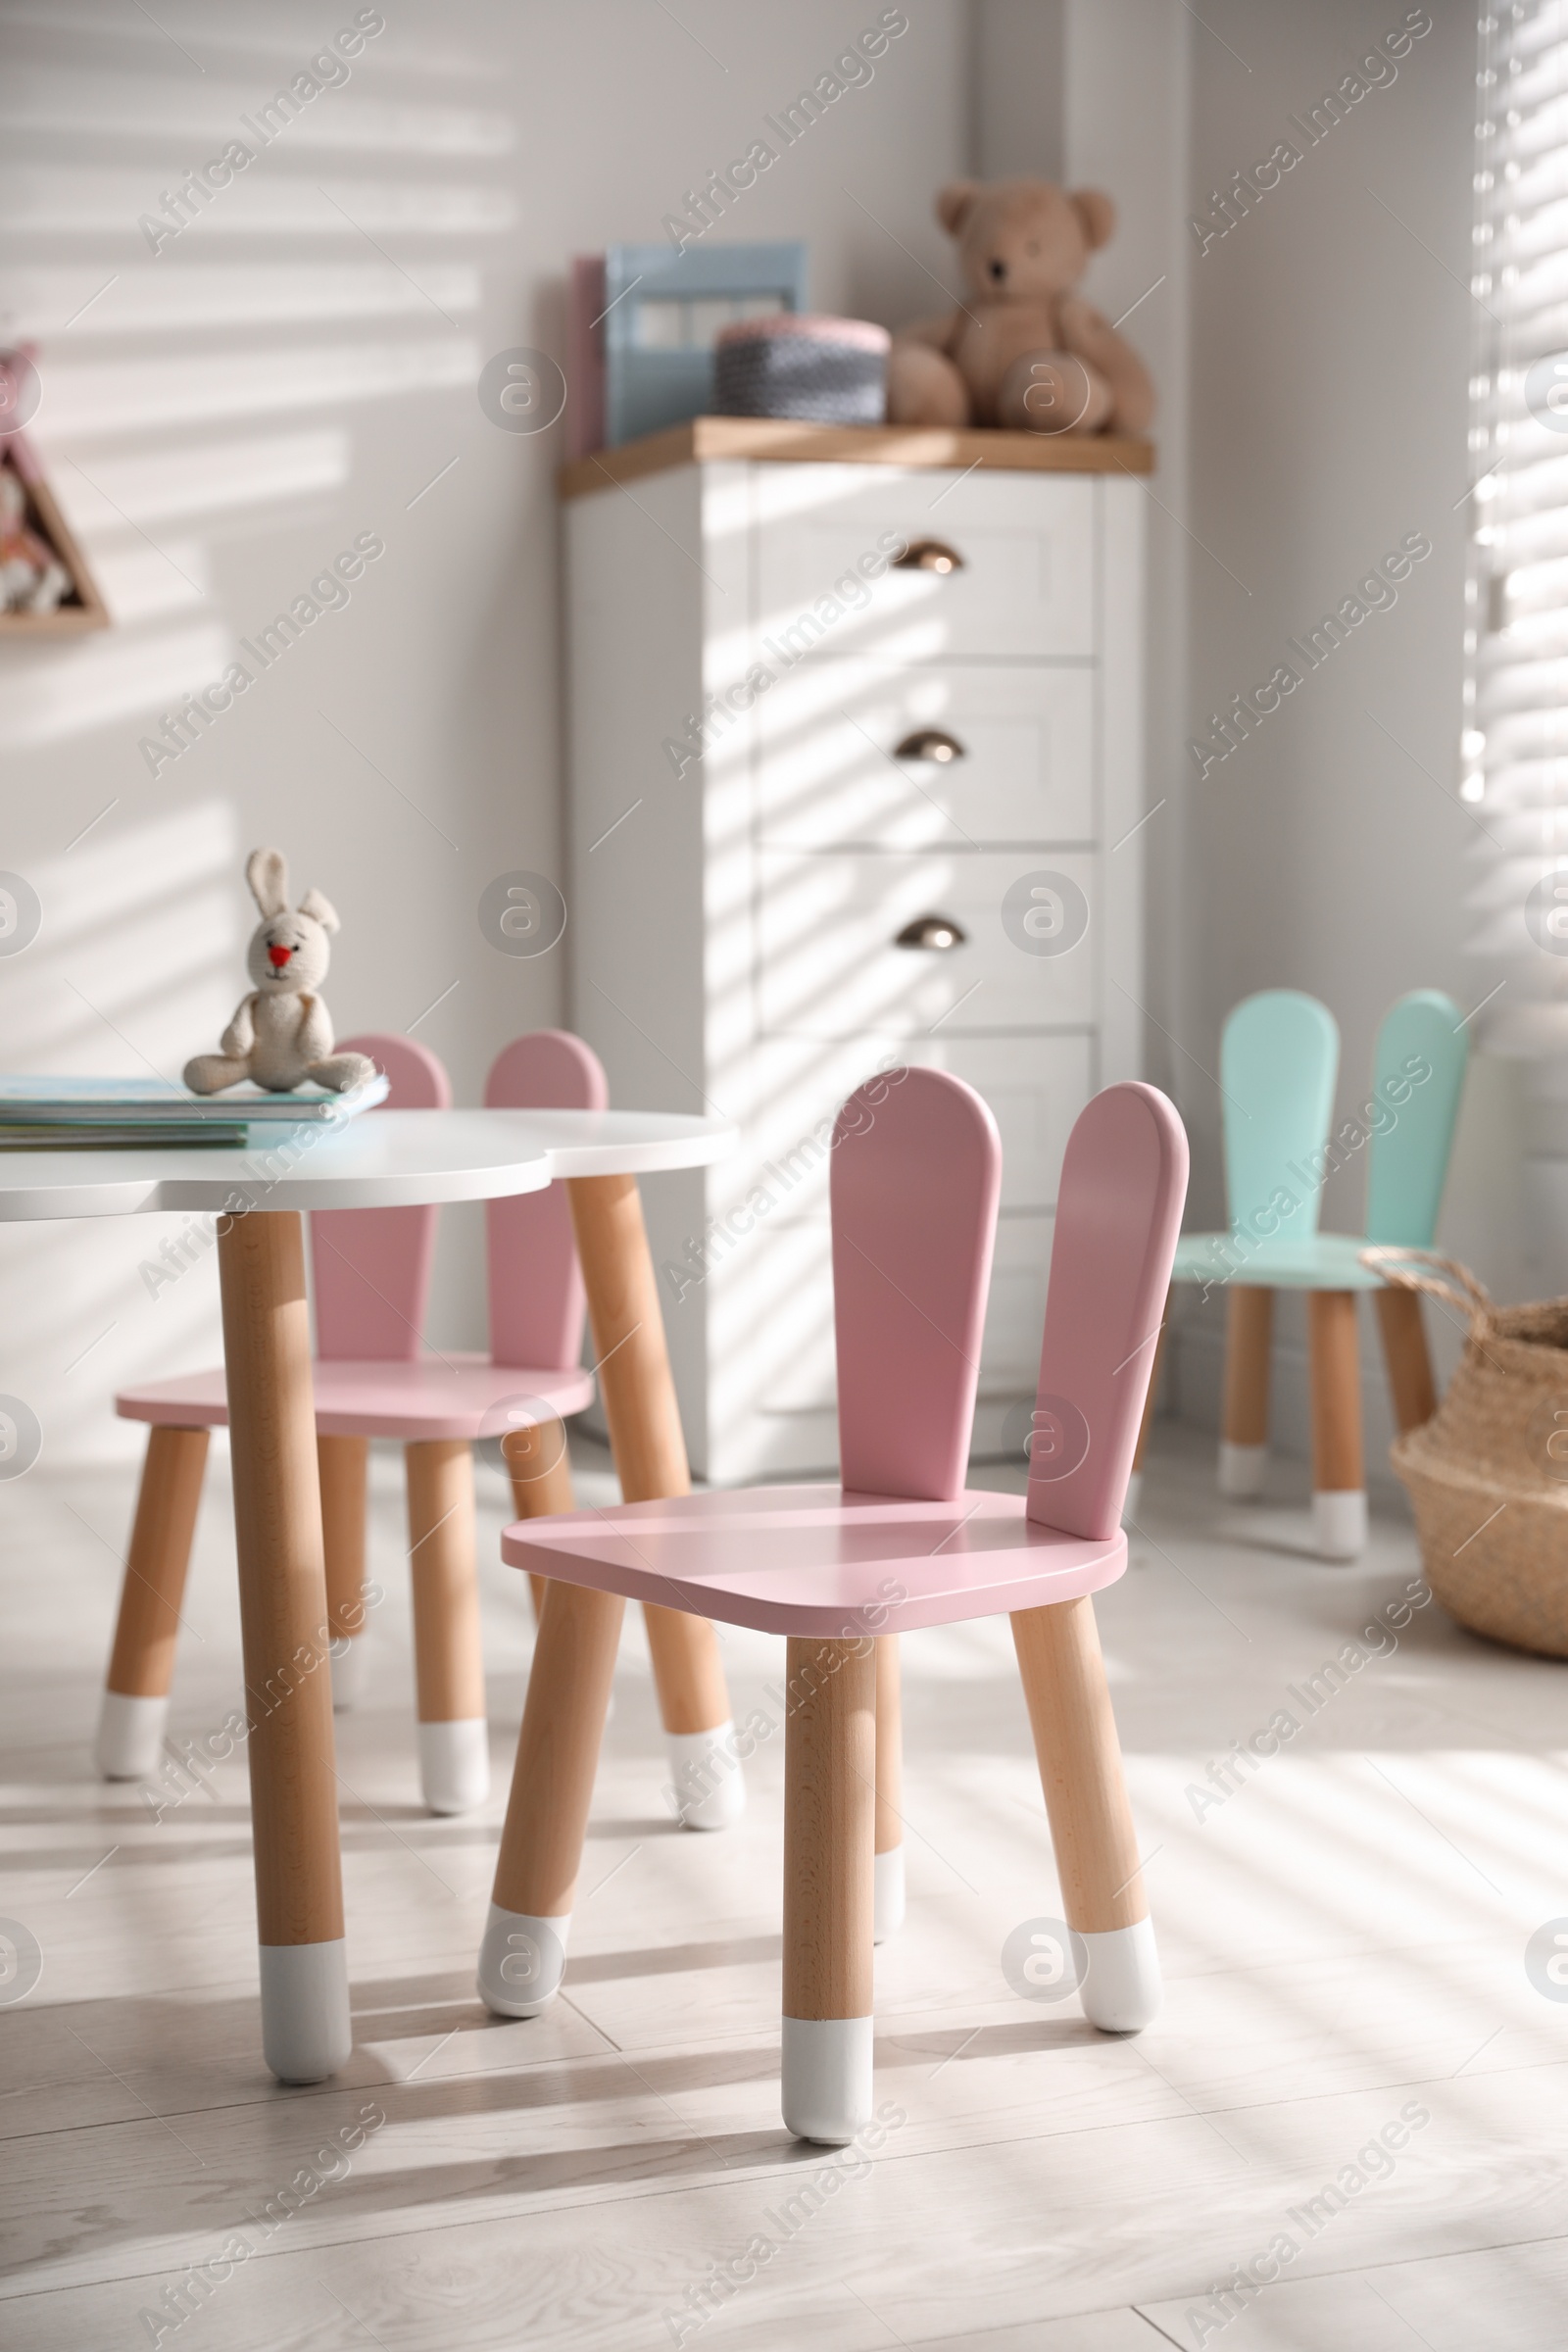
(989, 755)
(829, 967)
(1022, 584)
(1035, 1087)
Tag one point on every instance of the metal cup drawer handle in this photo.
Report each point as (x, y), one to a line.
(930, 743)
(936, 934)
(929, 555)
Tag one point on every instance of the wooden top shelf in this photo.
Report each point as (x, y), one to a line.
(784, 441)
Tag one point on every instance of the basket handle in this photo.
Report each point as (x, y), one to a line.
(1452, 1283)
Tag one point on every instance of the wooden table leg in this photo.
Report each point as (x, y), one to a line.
(1091, 1821)
(539, 1466)
(889, 1906)
(650, 1450)
(1338, 1478)
(343, 1466)
(1249, 1338)
(830, 1744)
(1404, 1353)
(306, 2032)
(523, 1954)
(1135, 1482)
(448, 1645)
(141, 1664)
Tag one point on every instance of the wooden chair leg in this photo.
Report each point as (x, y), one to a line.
(830, 1803)
(1404, 1353)
(306, 2028)
(1249, 1338)
(343, 1464)
(646, 1438)
(141, 1664)
(447, 1652)
(889, 1874)
(1091, 1821)
(539, 1467)
(1339, 1479)
(1135, 1483)
(523, 1954)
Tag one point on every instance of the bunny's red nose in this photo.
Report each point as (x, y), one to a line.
(279, 956)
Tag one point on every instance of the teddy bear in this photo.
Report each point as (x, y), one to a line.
(33, 579)
(281, 1034)
(1024, 349)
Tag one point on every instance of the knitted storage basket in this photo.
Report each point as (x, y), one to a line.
(823, 370)
(1487, 1475)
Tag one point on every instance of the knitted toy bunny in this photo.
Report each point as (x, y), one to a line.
(281, 1034)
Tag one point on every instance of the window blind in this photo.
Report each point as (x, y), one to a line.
(1514, 749)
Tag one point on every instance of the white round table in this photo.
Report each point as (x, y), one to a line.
(388, 1159)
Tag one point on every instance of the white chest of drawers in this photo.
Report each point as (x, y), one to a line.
(786, 752)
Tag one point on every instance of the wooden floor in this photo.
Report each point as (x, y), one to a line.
(1344, 1937)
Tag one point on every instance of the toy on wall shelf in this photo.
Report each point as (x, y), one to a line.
(45, 586)
(1023, 350)
(33, 579)
(281, 1034)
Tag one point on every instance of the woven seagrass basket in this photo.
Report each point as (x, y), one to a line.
(1487, 1475)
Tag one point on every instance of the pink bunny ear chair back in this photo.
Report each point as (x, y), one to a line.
(372, 1267)
(1119, 1213)
(537, 1302)
(916, 1171)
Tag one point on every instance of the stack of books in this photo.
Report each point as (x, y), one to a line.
(642, 321)
(119, 1114)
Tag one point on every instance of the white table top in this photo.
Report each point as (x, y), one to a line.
(382, 1159)
(623, 1143)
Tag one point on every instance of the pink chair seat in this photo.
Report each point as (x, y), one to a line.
(817, 1561)
(436, 1397)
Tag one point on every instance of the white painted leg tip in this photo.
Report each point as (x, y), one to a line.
(348, 1661)
(708, 1788)
(826, 2078)
(1121, 1990)
(1135, 1496)
(888, 1895)
(131, 1736)
(522, 1961)
(1339, 1524)
(454, 1764)
(307, 2033)
(1241, 1470)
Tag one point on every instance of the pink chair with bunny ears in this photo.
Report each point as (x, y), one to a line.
(537, 1305)
(370, 1274)
(841, 1570)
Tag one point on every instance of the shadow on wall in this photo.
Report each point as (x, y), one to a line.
(136, 953)
(191, 307)
(208, 331)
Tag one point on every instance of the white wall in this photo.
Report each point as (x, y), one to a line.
(1125, 128)
(1329, 362)
(228, 415)
(1018, 70)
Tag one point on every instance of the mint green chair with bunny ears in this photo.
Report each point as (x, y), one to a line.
(1278, 1063)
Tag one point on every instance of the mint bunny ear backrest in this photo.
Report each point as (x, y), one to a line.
(267, 872)
(1418, 1068)
(1278, 1060)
